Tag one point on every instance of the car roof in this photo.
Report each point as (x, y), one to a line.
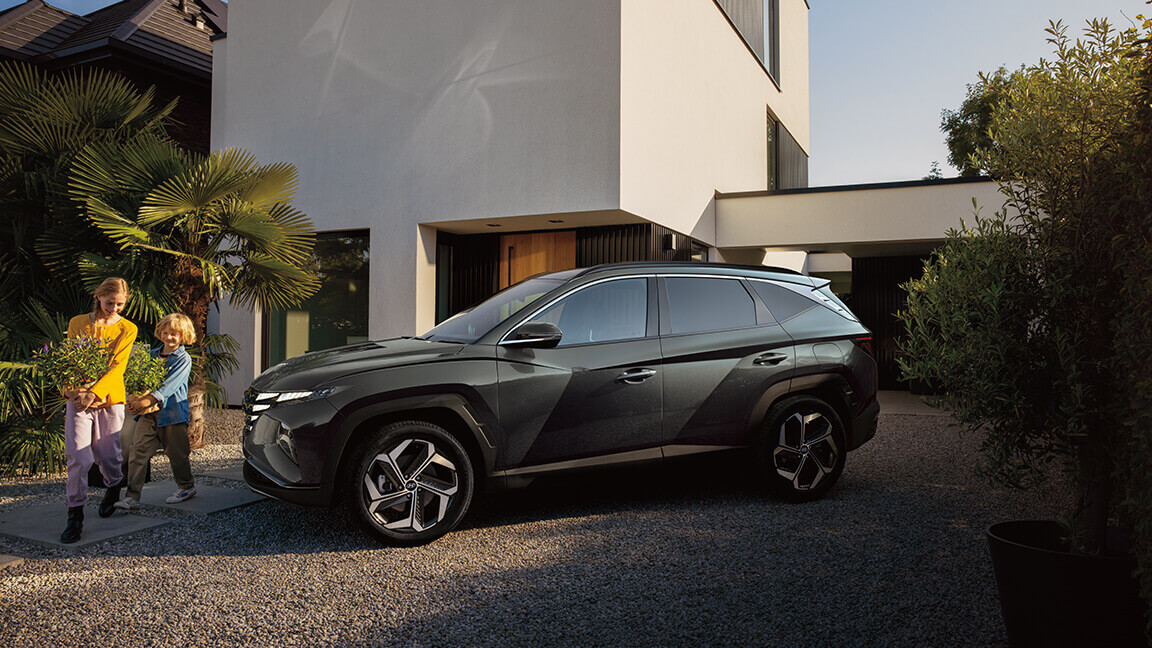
(693, 267)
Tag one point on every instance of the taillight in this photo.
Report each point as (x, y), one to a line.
(865, 343)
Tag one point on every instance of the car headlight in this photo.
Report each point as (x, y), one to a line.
(265, 400)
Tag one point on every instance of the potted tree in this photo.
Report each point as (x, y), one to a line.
(1032, 328)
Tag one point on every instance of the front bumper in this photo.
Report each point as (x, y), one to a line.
(863, 427)
(285, 448)
(301, 495)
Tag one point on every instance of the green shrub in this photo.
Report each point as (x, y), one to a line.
(73, 362)
(144, 373)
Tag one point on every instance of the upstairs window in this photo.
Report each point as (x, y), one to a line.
(772, 38)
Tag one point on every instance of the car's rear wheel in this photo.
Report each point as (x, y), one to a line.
(412, 484)
(801, 449)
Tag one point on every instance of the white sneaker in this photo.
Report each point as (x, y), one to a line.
(181, 495)
(127, 504)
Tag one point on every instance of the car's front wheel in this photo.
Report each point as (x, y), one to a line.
(802, 448)
(412, 484)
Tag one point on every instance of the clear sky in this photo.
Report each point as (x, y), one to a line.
(882, 70)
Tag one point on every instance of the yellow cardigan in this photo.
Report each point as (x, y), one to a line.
(119, 337)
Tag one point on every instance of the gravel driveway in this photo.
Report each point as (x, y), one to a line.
(677, 555)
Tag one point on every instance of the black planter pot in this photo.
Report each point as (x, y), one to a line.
(1050, 597)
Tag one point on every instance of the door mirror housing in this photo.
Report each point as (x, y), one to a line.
(534, 335)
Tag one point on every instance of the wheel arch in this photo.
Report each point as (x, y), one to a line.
(449, 411)
(829, 387)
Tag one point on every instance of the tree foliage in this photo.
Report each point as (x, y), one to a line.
(92, 187)
(45, 121)
(1034, 326)
(966, 128)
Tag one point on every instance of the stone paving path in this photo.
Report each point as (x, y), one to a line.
(42, 524)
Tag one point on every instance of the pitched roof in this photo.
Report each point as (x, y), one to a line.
(173, 32)
(34, 28)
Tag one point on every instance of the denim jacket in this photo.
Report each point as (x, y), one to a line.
(173, 392)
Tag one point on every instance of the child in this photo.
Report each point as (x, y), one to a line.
(94, 414)
(167, 428)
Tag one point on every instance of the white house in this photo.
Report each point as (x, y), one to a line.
(449, 147)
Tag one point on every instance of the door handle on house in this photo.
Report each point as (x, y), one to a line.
(770, 359)
(635, 376)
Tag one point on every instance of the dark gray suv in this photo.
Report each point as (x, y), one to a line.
(563, 371)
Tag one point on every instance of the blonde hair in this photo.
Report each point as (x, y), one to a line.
(180, 323)
(110, 286)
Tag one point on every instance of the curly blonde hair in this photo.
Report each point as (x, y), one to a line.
(180, 323)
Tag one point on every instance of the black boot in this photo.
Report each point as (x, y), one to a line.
(75, 525)
(111, 496)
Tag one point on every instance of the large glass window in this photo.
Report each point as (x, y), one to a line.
(337, 314)
(697, 304)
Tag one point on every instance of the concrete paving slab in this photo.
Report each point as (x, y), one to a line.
(43, 524)
(209, 499)
(235, 473)
(10, 562)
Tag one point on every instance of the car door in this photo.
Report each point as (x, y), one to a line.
(598, 392)
(722, 351)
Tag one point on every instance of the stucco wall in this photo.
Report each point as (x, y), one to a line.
(399, 113)
(694, 103)
(851, 219)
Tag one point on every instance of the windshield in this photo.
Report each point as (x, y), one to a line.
(468, 326)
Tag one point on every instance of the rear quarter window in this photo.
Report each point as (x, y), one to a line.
(805, 318)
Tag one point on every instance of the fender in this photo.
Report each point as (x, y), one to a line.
(456, 403)
(832, 386)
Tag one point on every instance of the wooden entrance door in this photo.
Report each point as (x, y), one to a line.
(523, 255)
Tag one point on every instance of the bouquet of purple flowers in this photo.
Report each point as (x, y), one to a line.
(72, 364)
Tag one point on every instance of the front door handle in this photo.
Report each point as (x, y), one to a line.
(770, 359)
(635, 376)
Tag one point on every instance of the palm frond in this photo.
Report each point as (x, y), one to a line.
(148, 278)
(272, 284)
(271, 184)
(32, 445)
(222, 173)
(18, 83)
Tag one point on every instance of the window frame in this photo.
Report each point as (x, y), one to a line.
(651, 311)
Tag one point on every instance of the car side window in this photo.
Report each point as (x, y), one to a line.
(697, 304)
(783, 303)
(605, 312)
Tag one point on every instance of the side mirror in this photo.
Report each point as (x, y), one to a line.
(536, 335)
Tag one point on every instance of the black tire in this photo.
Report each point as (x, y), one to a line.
(801, 450)
(412, 484)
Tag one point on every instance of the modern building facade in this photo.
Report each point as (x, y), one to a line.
(447, 148)
(464, 144)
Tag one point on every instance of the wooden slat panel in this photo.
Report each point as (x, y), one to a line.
(523, 255)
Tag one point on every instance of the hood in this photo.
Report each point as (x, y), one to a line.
(314, 370)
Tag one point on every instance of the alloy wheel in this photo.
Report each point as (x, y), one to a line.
(806, 452)
(410, 487)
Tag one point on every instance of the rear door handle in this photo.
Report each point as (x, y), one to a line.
(635, 376)
(770, 359)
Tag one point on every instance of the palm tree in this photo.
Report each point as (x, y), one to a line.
(45, 121)
(202, 227)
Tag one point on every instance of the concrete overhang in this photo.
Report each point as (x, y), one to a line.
(902, 218)
(533, 222)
